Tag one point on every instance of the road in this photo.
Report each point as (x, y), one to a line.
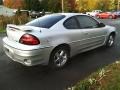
(14, 76)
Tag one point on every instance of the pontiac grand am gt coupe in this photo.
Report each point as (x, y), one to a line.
(53, 39)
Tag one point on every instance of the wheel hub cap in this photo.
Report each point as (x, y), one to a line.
(60, 58)
(111, 41)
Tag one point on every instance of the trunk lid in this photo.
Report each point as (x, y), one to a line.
(15, 32)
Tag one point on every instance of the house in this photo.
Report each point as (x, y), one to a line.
(6, 11)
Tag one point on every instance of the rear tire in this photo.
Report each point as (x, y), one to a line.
(59, 58)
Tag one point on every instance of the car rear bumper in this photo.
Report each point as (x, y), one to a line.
(27, 57)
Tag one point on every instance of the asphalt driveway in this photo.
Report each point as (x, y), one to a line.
(14, 76)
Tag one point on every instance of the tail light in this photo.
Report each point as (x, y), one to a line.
(29, 39)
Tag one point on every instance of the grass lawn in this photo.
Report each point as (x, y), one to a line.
(2, 30)
(107, 78)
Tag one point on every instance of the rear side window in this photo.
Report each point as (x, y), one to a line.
(46, 21)
(71, 23)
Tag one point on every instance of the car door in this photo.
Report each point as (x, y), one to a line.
(93, 35)
(74, 33)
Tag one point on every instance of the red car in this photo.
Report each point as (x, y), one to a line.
(106, 15)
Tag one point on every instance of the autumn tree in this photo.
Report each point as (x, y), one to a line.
(103, 4)
(116, 4)
(107, 5)
(32, 4)
(92, 4)
(1, 2)
(35, 5)
(14, 3)
(54, 5)
(89, 5)
(44, 5)
(51, 5)
(70, 5)
(113, 5)
(82, 5)
(18, 4)
(8, 3)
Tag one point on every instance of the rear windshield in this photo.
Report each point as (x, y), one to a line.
(46, 21)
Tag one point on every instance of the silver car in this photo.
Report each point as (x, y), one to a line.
(53, 39)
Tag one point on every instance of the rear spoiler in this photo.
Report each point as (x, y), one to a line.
(12, 26)
(15, 27)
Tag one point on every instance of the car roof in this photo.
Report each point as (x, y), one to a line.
(70, 14)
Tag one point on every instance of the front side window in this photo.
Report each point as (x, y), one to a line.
(46, 21)
(87, 22)
(71, 23)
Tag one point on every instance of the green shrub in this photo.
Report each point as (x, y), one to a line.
(107, 78)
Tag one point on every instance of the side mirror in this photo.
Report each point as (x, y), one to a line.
(101, 25)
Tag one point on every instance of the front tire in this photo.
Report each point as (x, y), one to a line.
(110, 41)
(59, 58)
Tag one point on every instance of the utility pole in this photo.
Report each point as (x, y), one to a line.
(118, 5)
(62, 6)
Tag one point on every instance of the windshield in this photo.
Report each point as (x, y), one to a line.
(46, 21)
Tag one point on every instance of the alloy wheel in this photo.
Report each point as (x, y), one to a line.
(60, 58)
